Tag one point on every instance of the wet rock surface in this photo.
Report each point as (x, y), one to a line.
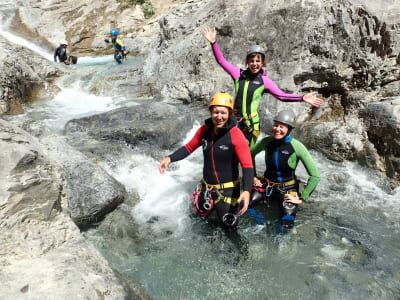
(152, 126)
(37, 237)
(24, 75)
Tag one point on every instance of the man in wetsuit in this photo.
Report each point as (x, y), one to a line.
(61, 53)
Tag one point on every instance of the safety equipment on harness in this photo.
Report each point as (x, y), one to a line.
(207, 205)
(230, 219)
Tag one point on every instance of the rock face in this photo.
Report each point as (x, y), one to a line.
(90, 192)
(24, 75)
(42, 253)
(152, 126)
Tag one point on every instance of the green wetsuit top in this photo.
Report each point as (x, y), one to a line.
(282, 158)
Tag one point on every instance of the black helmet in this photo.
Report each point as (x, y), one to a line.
(256, 49)
(286, 117)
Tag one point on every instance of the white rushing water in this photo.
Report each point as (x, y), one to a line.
(71, 102)
(25, 43)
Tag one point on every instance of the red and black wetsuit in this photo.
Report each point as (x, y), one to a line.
(223, 149)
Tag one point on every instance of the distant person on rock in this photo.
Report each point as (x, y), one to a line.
(279, 184)
(120, 51)
(61, 54)
(224, 147)
(250, 85)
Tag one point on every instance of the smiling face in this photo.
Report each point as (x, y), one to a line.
(219, 115)
(255, 63)
(279, 130)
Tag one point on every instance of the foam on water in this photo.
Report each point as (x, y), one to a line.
(69, 103)
(163, 198)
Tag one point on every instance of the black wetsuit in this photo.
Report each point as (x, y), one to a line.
(223, 149)
(61, 53)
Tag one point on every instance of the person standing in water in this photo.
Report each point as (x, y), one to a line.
(250, 85)
(279, 182)
(119, 48)
(224, 147)
(61, 53)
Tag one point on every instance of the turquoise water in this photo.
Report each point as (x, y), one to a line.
(345, 244)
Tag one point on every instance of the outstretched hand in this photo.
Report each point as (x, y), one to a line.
(292, 199)
(245, 197)
(311, 98)
(209, 34)
(165, 162)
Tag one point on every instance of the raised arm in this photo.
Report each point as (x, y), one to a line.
(210, 36)
(310, 98)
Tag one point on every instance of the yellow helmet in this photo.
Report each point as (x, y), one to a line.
(222, 99)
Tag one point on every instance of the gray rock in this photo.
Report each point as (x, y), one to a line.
(90, 191)
(24, 76)
(37, 237)
(154, 125)
(382, 122)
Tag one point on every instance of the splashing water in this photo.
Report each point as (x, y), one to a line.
(345, 243)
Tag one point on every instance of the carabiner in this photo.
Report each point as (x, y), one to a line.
(269, 189)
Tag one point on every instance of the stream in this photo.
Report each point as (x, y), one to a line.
(345, 244)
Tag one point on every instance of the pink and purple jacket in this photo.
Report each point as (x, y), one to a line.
(249, 89)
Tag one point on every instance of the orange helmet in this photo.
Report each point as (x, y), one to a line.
(221, 99)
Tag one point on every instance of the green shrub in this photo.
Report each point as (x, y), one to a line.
(148, 8)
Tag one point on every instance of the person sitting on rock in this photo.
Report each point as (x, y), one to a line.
(224, 147)
(250, 85)
(120, 51)
(279, 182)
(61, 53)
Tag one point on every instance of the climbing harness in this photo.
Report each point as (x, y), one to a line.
(208, 201)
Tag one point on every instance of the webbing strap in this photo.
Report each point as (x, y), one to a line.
(222, 186)
(229, 200)
(250, 116)
(281, 184)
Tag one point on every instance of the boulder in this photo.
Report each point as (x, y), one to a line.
(25, 76)
(42, 253)
(153, 125)
(89, 190)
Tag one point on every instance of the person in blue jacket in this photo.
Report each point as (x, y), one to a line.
(119, 47)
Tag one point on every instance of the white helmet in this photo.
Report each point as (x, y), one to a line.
(64, 42)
